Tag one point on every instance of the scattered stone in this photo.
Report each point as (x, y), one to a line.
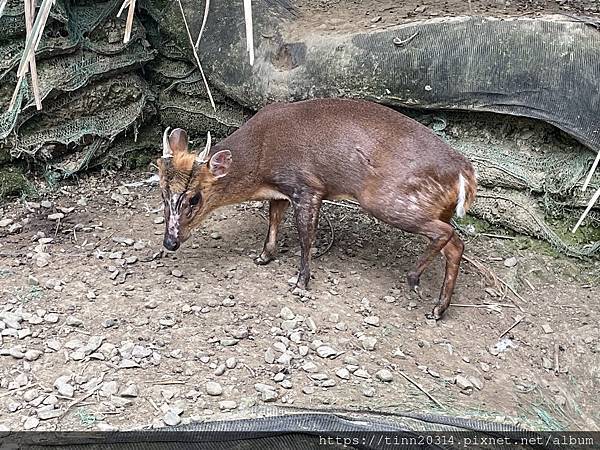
(130, 391)
(215, 235)
(74, 321)
(109, 388)
(231, 363)
(476, 382)
(484, 366)
(287, 314)
(389, 299)
(213, 388)
(547, 328)
(310, 323)
(267, 393)
(128, 364)
(177, 273)
(303, 350)
(23, 333)
(227, 405)
(341, 326)
(547, 363)
(310, 367)
(51, 400)
(31, 422)
(220, 370)
(278, 377)
(30, 395)
(368, 342)
(369, 392)
(361, 373)
(109, 323)
(384, 375)
(5, 222)
(324, 351)
(16, 353)
(463, 383)
(48, 412)
(63, 386)
(46, 204)
(308, 390)
(372, 320)
(56, 216)
(343, 373)
(159, 220)
(171, 418)
(270, 356)
(228, 342)
(510, 262)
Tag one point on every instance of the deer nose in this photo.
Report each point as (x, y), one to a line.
(170, 243)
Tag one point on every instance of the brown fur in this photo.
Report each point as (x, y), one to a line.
(305, 152)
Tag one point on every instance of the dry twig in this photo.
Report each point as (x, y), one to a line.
(332, 238)
(517, 322)
(22, 388)
(419, 387)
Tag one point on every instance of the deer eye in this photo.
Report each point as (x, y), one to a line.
(195, 200)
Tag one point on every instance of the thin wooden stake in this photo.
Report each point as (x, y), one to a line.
(31, 44)
(592, 170)
(187, 28)
(123, 6)
(29, 17)
(592, 202)
(129, 23)
(206, 7)
(2, 6)
(249, 30)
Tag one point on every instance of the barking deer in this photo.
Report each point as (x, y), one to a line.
(303, 153)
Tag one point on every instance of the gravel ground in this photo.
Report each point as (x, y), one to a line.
(102, 329)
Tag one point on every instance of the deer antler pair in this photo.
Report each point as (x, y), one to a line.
(168, 152)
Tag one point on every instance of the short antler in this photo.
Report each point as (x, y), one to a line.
(201, 158)
(167, 152)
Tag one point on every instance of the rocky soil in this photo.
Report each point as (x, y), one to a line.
(102, 329)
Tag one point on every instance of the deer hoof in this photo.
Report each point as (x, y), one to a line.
(436, 314)
(300, 292)
(262, 261)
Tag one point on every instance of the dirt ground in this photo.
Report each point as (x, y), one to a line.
(336, 15)
(101, 328)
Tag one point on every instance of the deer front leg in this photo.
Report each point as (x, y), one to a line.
(276, 212)
(306, 212)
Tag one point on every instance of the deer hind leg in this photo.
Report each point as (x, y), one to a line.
(306, 212)
(439, 234)
(453, 252)
(277, 210)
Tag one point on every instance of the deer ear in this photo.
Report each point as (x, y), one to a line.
(219, 163)
(178, 140)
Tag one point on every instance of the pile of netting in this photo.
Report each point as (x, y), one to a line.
(101, 98)
(105, 103)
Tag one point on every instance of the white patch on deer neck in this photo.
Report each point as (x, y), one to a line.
(173, 225)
